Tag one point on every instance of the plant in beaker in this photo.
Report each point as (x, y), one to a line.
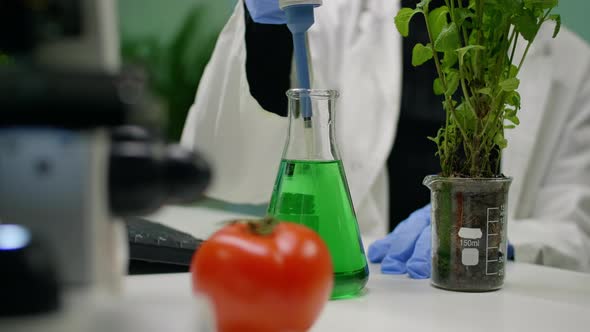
(474, 44)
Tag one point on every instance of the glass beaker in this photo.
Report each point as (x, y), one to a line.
(468, 232)
(311, 187)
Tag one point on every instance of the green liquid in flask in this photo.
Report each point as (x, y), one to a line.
(315, 194)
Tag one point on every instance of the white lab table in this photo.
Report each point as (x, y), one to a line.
(534, 298)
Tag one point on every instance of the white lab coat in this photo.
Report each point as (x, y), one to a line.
(355, 48)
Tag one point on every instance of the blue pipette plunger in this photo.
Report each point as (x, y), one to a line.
(300, 18)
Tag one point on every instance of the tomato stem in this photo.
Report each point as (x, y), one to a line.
(264, 226)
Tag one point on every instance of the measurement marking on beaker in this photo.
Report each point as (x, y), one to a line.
(470, 243)
(488, 248)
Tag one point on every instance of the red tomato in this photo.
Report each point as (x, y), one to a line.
(274, 282)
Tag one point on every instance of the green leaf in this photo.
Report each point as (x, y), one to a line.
(423, 3)
(438, 87)
(485, 91)
(448, 39)
(510, 7)
(421, 54)
(510, 84)
(402, 20)
(509, 112)
(463, 50)
(437, 19)
(461, 14)
(513, 71)
(557, 19)
(543, 4)
(510, 126)
(452, 82)
(527, 25)
(514, 119)
(473, 37)
(465, 116)
(434, 139)
(513, 99)
(510, 115)
(500, 141)
(449, 59)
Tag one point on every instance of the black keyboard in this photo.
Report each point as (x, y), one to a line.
(153, 242)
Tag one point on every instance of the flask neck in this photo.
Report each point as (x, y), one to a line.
(312, 127)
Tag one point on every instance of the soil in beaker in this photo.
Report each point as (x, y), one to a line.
(469, 240)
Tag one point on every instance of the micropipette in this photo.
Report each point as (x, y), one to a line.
(300, 18)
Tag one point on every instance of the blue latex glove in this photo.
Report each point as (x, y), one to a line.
(407, 248)
(510, 253)
(266, 11)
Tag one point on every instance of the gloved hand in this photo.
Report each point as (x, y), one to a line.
(407, 248)
(266, 11)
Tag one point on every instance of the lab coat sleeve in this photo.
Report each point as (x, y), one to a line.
(241, 140)
(558, 232)
(355, 48)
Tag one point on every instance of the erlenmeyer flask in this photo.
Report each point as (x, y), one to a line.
(311, 187)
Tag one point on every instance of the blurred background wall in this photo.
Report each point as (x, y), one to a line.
(575, 16)
(172, 40)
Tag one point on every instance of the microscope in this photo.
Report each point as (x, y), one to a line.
(74, 158)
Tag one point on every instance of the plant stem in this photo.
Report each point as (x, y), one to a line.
(434, 52)
(475, 152)
(448, 154)
(444, 158)
(526, 51)
(448, 99)
(451, 7)
(528, 46)
(479, 18)
(463, 132)
(505, 50)
(466, 94)
(514, 44)
(495, 119)
(463, 30)
(262, 227)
